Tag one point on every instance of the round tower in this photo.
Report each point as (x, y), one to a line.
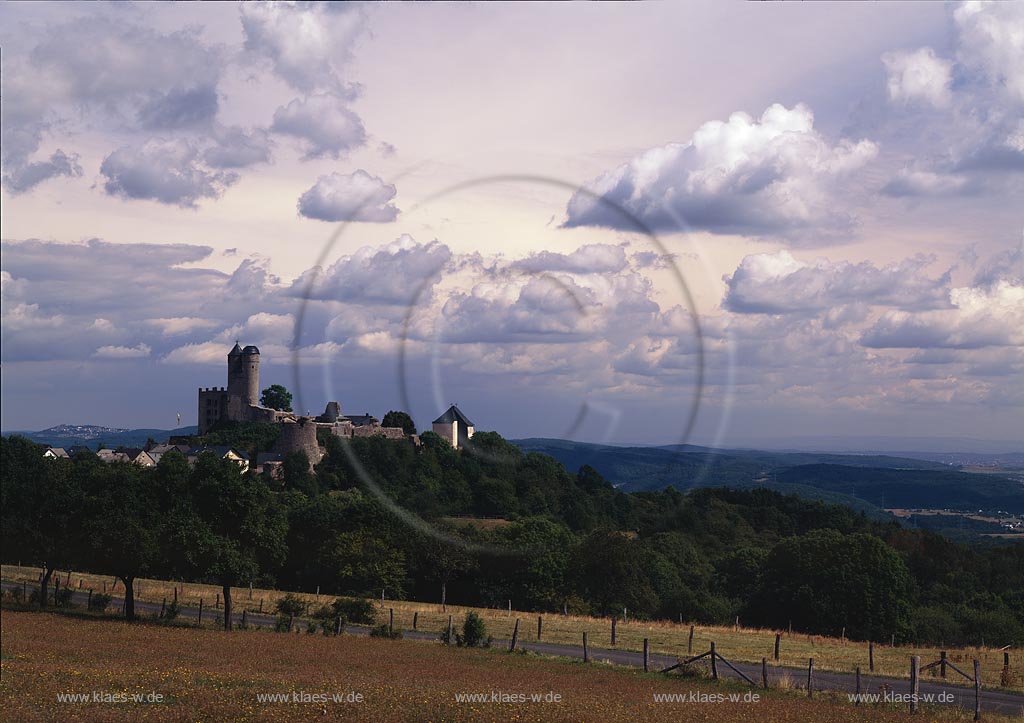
(244, 375)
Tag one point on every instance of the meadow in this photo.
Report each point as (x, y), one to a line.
(669, 638)
(208, 675)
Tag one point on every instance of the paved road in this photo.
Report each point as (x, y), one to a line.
(996, 701)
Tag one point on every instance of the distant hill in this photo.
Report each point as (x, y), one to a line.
(66, 435)
(864, 482)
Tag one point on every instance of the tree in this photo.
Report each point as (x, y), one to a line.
(276, 397)
(40, 506)
(442, 562)
(230, 525)
(399, 419)
(121, 528)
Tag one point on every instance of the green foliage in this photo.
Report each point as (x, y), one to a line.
(474, 633)
(399, 419)
(358, 611)
(100, 601)
(249, 437)
(383, 631)
(290, 604)
(282, 624)
(172, 610)
(276, 397)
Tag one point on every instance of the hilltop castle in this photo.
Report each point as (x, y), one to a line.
(239, 402)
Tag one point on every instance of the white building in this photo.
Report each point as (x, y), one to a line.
(454, 426)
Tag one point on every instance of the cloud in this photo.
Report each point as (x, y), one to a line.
(174, 326)
(355, 196)
(25, 177)
(918, 75)
(323, 123)
(590, 259)
(236, 148)
(926, 183)
(389, 275)
(991, 42)
(771, 175)
(123, 352)
(167, 171)
(778, 283)
(179, 108)
(307, 43)
(981, 316)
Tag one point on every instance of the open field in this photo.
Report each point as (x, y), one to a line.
(207, 675)
(746, 645)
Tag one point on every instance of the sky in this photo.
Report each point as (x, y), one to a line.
(714, 222)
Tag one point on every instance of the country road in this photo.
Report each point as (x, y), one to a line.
(996, 701)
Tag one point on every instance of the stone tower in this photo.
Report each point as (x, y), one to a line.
(243, 381)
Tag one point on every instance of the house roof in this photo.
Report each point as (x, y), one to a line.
(220, 451)
(454, 414)
(57, 451)
(361, 420)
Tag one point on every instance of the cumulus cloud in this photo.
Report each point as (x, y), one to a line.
(179, 108)
(306, 43)
(123, 352)
(390, 274)
(25, 177)
(323, 123)
(980, 317)
(778, 283)
(771, 175)
(234, 147)
(167, 171)
(991, 42)
(589, 259)
(926, 183)
(918, 75)
(349, 197)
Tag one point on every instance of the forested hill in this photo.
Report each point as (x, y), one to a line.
(542, 536)
(865, 482)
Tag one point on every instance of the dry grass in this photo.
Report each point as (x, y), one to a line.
(207, 675)
(744, 645)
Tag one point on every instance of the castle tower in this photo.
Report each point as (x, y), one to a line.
(243, 382)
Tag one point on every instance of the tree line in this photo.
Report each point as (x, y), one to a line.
(513, 526)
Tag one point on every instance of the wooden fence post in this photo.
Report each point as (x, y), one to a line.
(216, 602)
(810, 677)
(977, 690)
(245, 618)
(613, 630)
(871, 657)
(586, 651)
(337, 625)
(175, 594)
(200, 612)
(261, 606)
(737, 628)
(415, 619)
(942, 664)
(647, 655)
(689, 643)
(163, 608)
(778, 642)
(915, 681)
(515, 637)
(451, 630)
(540, 624)
(714, 662)
(89, 603)
(764, 673)
(250, 590)
(391, 620)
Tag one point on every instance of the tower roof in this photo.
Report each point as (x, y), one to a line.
(251, 349)
(454, 414)
(237, 350)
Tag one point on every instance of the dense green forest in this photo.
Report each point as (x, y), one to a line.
(513, 526)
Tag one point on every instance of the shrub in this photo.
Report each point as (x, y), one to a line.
(356, 610)
(62, 598)
(291, 604)
(16, 594)
(382, 631)
(100, 601)
(283, 623)
(474, 633)
(311, 627)
(172, 610)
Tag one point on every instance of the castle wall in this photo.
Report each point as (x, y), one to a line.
(213, 403)
(299, 436)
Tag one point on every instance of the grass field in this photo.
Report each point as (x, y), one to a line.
(208, 675)
(747, 645)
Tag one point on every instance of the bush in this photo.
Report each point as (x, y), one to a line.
(172, 610)
(312, 627)
(474, 633)
(62, 597)
(291, 604)
(355, 610)
(100, 601)
(382, 631)
(16, 594)
(283, 623)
